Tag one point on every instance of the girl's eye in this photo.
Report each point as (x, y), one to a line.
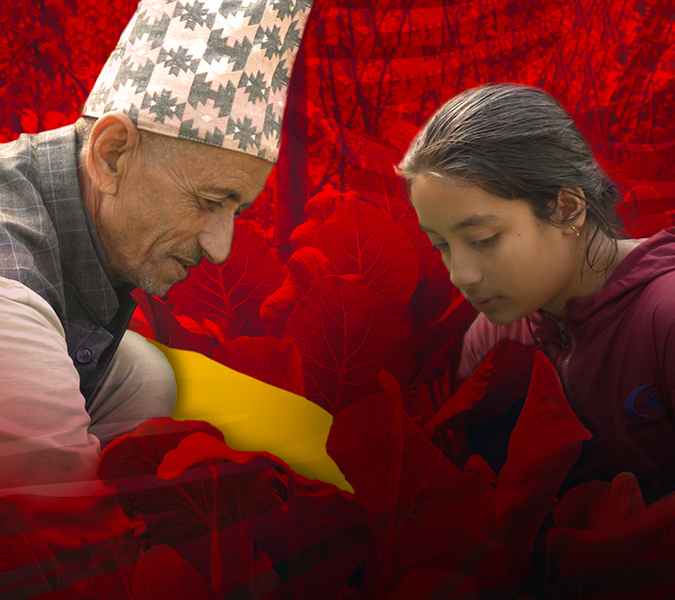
(485, 241)
(442, 246)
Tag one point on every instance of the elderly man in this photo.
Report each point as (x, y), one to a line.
(177, 139)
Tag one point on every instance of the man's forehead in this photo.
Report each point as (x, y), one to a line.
(224, 173)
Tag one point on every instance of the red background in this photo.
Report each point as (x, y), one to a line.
(370, 64)
(369, 74)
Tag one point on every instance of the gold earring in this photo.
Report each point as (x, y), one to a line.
(573, 228)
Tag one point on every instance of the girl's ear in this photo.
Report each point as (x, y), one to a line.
(571, 207)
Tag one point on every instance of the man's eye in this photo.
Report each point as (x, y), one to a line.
(210, 204)
(485, 241)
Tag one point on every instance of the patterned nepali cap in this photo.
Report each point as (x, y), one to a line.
(211, 71)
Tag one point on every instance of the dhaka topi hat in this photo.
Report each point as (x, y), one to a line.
(210, 71)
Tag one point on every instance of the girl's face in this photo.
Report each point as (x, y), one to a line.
(506, 261)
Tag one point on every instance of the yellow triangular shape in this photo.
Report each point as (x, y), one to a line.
(254, 416)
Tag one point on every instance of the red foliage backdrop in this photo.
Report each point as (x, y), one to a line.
(332, 292)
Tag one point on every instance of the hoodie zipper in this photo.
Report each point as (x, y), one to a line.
(568, 343)
(563, 332)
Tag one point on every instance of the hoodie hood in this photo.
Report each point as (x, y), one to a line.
(651, 259)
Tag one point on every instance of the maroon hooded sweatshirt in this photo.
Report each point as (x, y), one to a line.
(615, 353)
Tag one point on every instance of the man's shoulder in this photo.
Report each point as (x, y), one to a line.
(28, 240)
(20, 190)
(31, 158)
(18, 160)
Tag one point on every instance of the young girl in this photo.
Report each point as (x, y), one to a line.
(508, 190)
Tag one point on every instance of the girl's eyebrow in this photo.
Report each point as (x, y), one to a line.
(475, 220)
(472, 221)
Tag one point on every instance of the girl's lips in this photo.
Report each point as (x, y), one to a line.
(488, 304)
(484, 303)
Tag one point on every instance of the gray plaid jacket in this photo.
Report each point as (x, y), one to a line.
(46, 244)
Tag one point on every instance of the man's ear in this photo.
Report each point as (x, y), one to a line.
(112, 144)
(571, 207)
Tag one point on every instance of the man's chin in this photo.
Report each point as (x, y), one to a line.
(154, 287)
(153, 284)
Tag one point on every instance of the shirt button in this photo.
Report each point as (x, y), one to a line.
(84, 355)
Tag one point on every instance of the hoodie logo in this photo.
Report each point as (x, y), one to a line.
(631, 404)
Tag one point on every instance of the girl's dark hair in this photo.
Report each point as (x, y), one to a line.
(516, 142)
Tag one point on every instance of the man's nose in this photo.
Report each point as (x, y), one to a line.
(216, 237)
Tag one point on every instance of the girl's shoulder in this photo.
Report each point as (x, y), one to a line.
(657, 300)
(650, 270)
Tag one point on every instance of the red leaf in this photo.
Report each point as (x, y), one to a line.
(303, 235)
(545, 443)
(391, 386)
(316, 541)
(391, 201)
(111, 565)
(478, 464)
(428, 258)
(305, 266)
(198, 447)
(623, 560)
(376, 159)
(302, 268)
(318, 208)
(131, 464)
(573, 508)
(622, 501)
(490, 579)
(438, 334)
(345, 335)
(228, 553)
(360, 240)
(229, 558)
(27, 566)
(423, 509)
(46, 542)
(139, 324)
(492, 388)
(420, 582)
(162, 574)
(140, 452)
(434, 295)
(265, 358)
(205, 510)
(230, 295)
(401, 134)
(166, 329)
(387, 194)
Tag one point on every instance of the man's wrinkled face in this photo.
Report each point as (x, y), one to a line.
(175, 205)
